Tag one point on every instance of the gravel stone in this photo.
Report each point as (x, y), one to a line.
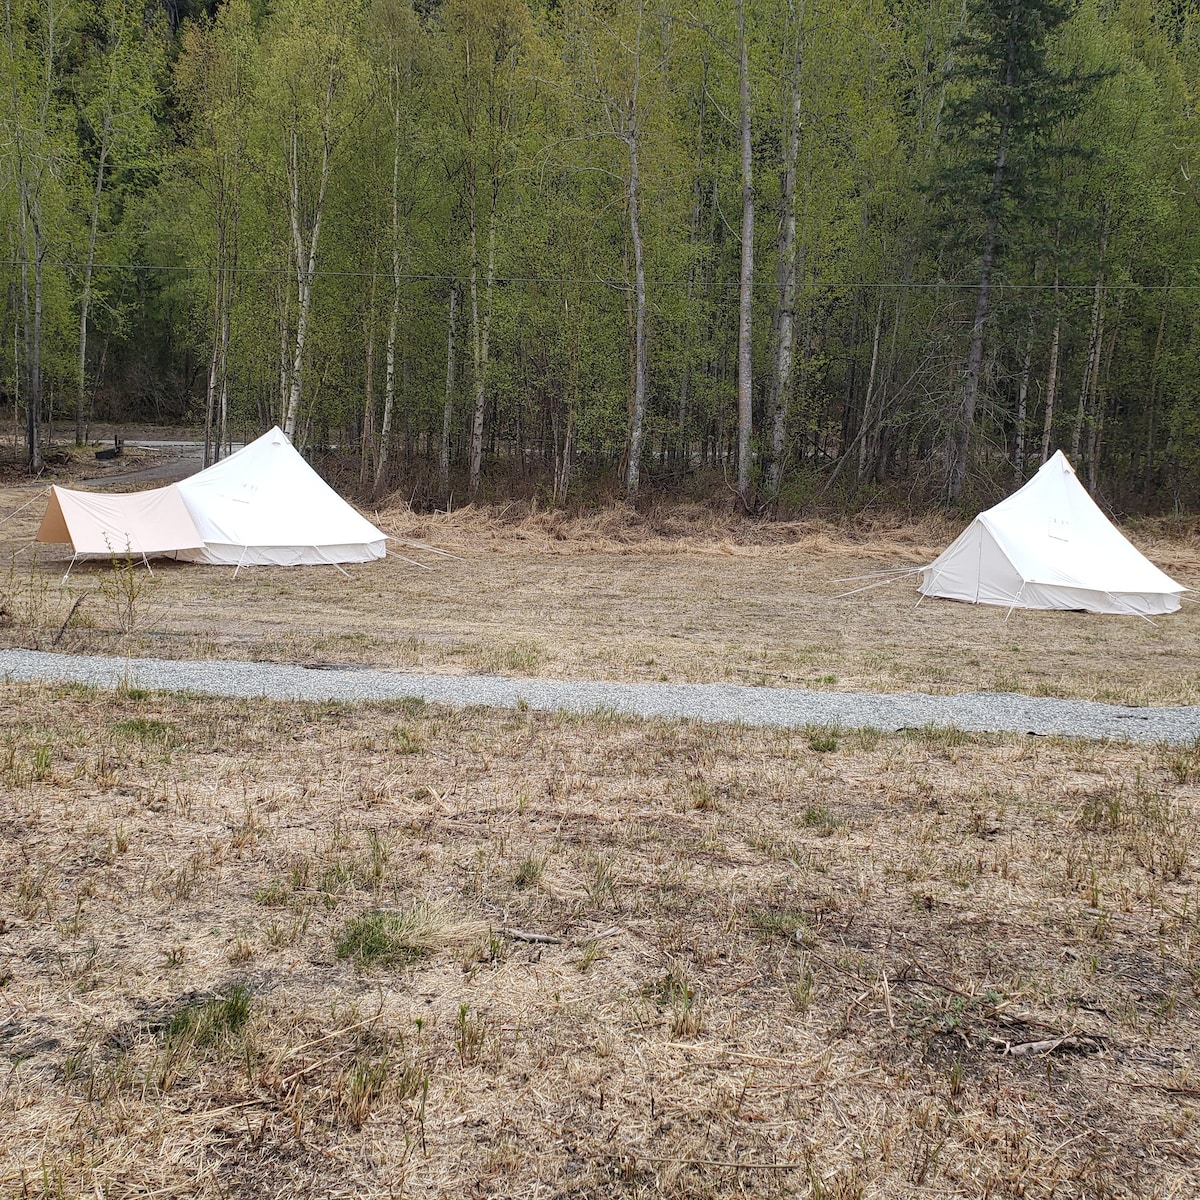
(785, 707)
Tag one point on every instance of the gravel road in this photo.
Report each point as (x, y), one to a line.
(786, 707)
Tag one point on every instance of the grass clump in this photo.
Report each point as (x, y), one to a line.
(203, 1023)
(529, 871)
(823, 741)
(150, 732)
(272, 895)
(390, 939)
(405, 742)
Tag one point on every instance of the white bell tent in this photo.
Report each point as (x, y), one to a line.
(1049, 546)
(265, 505)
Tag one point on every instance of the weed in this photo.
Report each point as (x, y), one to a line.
(801, 990)
(41, 764)
(391, 939)
(529, 871)
(674, 991)
(470, 1034)
(403, 741)
(600, 881)
(200, 1024)
(778, 923)
(820, 820)
(150, 732)
(822, 741)
(273, 895)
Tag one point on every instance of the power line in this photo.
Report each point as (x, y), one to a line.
(624, 284)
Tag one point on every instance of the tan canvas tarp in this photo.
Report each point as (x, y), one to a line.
(138, 523)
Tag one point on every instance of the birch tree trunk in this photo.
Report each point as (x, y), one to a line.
(786, 275)
(1052, 374)
(389, 387)
(368, 457)
(214, 359)
(481, 326)
(1023, 406)
(637, 413)
(683, 448)
(448, 404)
(745, 389)
(85, 297)
(304, 249)
(1091, 365)
(868, 421)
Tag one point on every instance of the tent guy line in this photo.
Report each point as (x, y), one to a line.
(975, 712)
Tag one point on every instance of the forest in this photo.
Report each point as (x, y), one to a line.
(797, 252)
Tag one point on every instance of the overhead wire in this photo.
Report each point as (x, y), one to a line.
(620, 284)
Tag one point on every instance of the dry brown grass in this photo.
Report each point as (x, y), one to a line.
(678, 594)
(812, 964)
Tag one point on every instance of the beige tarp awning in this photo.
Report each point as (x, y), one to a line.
(137, 523)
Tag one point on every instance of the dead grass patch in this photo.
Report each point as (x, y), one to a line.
(676, 595)
(619, 958)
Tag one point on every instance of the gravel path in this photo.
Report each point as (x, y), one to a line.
(787, 707)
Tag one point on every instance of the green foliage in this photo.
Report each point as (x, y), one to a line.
(269, 212)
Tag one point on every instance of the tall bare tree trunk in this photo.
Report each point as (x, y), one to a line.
(85, 298)
(637, 411)
(481, 327)
(868, 419)
(683, 451)
(304, 249)
(448, 405)
(786, 271)
(1023, 406)
(1052, 373)
(368, 455)
(745, 388)
(1091, 368)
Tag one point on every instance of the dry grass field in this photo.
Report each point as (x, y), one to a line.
(254, 949)
(258, 950)
(676, 595)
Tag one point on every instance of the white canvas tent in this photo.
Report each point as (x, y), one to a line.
(1049, 546)
(140, 524)
(265, 505)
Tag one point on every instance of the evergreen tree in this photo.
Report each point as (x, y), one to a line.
(1005, 97)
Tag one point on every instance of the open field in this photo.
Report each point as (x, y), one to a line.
(680, 595)
(256, 949)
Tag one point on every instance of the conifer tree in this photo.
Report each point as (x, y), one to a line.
(1005, 97)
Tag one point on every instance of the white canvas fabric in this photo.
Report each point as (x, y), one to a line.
(141, 524)
(1049, 546)
(265, 505)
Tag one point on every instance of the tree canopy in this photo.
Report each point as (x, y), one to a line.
(808, 251)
